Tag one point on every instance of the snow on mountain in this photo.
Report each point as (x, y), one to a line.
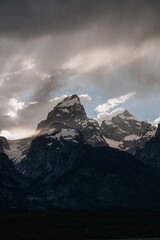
(126, 132)
(18, 149)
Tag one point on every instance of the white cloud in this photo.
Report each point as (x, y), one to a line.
(156, 121)
(57, 99)
(28, 64)
(108, 116)
(85, 98)
(14, 107)
(113, 102)
(33, 103)
(12, 114)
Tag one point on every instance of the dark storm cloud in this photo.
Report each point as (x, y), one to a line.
(32, 18)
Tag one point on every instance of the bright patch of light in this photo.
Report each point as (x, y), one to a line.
(7, 134)
(29, 64)
(17, 133)
(33, 103)
(14, 107)
(156, 122)
(12, 114)
(111, 58)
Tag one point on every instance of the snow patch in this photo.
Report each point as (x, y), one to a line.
(131, 137)
(69, 102)
(112, 143)
(16, 150)
(67, 134)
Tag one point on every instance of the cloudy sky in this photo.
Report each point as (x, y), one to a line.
(106, 51)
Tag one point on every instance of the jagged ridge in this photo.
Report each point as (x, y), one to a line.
(125, 132)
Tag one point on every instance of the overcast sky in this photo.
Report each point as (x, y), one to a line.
(108, 49)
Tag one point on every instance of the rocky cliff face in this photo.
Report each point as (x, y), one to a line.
(4, 145)
(126, 132)
(51, 153)
(13, 185)
(150, 153)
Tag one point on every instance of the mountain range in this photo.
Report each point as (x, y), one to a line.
(72, 162)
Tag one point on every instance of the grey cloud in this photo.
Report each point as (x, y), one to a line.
(25, 19)
(50, 84)
(16, 84)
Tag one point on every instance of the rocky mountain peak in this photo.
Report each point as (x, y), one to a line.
(69, 101)
(124, 116)
(126, 132)
(70, 113)
(125, 112)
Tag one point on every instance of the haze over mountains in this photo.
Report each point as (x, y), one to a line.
(73, 162)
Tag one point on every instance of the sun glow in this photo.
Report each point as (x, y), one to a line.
(7, 134)
(12, 114)
(17, 133)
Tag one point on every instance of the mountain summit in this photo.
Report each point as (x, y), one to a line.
(70, 113)
(126, 132)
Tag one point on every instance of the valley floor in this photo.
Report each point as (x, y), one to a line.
(63, 224)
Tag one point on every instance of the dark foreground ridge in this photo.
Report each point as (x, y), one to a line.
(64, 224)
